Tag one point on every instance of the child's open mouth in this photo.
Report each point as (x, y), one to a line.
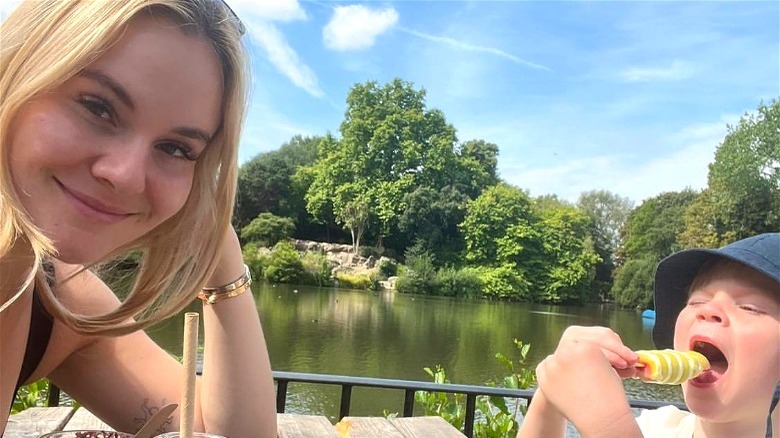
(718, 362)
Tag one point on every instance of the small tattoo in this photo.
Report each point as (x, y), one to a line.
(147, 411)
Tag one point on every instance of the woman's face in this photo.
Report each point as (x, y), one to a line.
(111, 153)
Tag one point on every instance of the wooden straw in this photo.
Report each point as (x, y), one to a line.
(187, 411)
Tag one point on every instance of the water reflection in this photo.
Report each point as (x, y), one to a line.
(389, 335)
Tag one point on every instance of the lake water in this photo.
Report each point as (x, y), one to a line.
(391, 335)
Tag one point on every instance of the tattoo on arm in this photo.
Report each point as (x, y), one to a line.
(147, 411)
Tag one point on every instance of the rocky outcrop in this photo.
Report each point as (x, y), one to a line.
(341, 257)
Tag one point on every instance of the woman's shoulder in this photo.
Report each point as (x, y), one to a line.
(81, 291)
(666, 421)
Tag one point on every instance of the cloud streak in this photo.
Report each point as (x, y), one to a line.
(284, 58)
(475, 48)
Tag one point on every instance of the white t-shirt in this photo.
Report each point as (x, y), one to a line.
(666, 422)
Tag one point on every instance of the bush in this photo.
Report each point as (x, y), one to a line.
(267, 229)
(387, 268)
(419, 277)
(284, 265)
(317, 268)
(458, 283)
(500, 282)
(368, 251)
(255, 259)
(356, 281)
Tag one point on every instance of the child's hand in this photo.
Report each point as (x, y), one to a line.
(582, 379)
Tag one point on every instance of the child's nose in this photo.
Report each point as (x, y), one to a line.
(711, 312)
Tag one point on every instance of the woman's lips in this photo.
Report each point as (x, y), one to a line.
(93, 208)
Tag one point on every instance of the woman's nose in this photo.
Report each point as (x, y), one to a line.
(123, 167)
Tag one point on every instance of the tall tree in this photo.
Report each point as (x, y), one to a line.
(607, 212)
(743, 193)
(265, 182)
(390, 145)
(496, 224)
(650, 234)
(478, 162)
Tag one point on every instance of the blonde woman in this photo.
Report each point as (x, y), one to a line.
(119, 129)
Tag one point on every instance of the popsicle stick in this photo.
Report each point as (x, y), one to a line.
(189, 359)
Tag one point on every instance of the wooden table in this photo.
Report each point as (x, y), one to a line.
(34, 422)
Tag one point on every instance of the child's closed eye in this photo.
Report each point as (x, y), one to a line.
(752, 309)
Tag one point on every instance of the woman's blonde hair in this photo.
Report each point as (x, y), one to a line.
(43, 43)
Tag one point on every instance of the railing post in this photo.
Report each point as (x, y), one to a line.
(281, 395)
(346, 399)
(409, 403)
(53, 398)
(471, 402)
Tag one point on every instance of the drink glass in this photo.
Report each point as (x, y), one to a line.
(87, 434)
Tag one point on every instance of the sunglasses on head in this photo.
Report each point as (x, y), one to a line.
(237, 21)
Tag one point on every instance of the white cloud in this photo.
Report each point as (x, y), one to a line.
(356, 27)
(270, 10)
(474, 48)
(284, 57)
(676, 71)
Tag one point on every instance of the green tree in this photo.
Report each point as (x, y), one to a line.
(652, 228)
(633, 287)
(496, 224)
(267, 229)
(390, 145)
(608, 213)
(431, 218)
(743, 193)
(650, 234)
(568, 255)
(478, 162)
(265, 182)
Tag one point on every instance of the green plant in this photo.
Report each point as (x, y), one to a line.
(284, 265)
(267, 229)
(317, 268)
(387, 268)
(454, 282)
(32, 395)
(495, 418)
(359, 281)
(450, 407)
(499, 418)
(256, 259)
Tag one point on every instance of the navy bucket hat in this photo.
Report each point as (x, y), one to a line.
(674, 275)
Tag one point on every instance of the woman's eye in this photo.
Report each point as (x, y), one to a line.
(178, 150)
(97, 107)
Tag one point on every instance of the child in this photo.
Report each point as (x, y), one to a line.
(724, 303)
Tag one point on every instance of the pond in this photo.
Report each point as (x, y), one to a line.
(390, 335)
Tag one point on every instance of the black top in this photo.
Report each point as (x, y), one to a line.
(40, 332)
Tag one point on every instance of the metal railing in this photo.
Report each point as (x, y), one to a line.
(284, 378)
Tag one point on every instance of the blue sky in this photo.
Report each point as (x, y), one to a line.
(632, 97)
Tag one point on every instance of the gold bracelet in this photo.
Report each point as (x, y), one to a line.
(211, 295)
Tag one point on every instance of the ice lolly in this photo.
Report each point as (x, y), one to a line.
(672, 367)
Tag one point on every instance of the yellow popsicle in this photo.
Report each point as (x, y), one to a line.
(672, 367)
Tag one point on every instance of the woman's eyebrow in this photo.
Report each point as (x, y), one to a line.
(193, 133)
(110, 83)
